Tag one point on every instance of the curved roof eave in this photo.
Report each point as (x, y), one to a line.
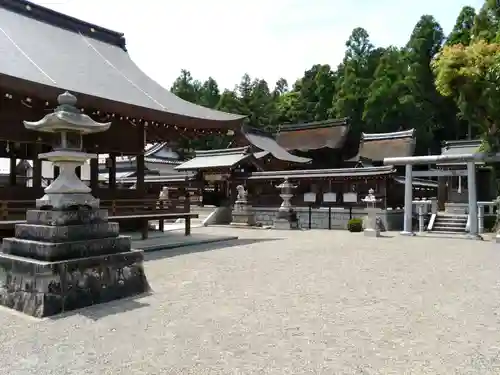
(97, 67)
(263, 141)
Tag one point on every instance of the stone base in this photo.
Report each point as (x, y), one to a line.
(67, 201)
(283, 224)
(372, 232)
(403, 233)
(243, 219)
(40, 288)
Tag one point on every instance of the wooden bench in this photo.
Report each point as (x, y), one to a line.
(146, 218)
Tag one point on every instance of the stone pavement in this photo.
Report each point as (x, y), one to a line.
(173, 239)
(271, 302)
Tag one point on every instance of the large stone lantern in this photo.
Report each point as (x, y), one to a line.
(67, 190)
(67, 255)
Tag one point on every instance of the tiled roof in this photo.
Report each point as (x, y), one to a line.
(377, 146)
(224, 158)
(313, 135)
(49, 51)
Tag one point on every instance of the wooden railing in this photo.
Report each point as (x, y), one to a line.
(16, 209)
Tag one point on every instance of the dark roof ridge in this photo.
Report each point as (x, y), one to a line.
(223, 151)
(313, 125)
(154, 148)
(49, 16)
(410, 133)
(462, 143)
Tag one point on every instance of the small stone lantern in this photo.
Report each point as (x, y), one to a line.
(372, 229)
(286, 214)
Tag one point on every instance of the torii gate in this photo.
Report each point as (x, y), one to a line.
(470, 159)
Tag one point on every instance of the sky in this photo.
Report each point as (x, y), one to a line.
(267, 39)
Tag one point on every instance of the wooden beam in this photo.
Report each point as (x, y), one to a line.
(439, 173)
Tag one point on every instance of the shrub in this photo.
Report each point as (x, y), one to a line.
(355, 225)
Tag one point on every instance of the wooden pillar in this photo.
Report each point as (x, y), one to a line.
(94, 174)
(112, 171)
(37, 166)
(442, 192)
(13, 172)
(140, 167)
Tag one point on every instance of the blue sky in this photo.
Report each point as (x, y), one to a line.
(267, 39)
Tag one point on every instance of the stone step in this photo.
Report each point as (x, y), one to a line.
(448, 228)
(451, 219)
(447, 232)
(50, 233)
(48, 217)
(55, 251)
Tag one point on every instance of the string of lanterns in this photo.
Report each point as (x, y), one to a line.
(105, 116)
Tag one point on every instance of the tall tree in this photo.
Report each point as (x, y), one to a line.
(186, 87)
(209, 94)
(487, 22)
(462, 31)
(471, 76)
(360, 62)
(384, 109)
(429, 113)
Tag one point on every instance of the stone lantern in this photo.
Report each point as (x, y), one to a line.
(67, 255)
(67, 190)
(372, 229)
(286, 217)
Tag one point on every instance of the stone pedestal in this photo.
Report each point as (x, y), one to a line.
(64, 260)
(371, 227)
(242, 214)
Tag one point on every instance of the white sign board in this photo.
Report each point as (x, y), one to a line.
(350, 197)
(310, 197)
(329, 197)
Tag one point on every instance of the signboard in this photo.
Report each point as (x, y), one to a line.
(310, 197)
(211, 177)
(330, 197)
(350, 197)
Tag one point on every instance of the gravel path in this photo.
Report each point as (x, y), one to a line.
(310, 302)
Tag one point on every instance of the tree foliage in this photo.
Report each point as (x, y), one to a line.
(444, 87)
(471, 76)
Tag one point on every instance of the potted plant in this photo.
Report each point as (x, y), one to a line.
(355, 225)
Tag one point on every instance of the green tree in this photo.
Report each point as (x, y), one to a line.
(487, 22)
(429, 113)
(384, 110)
(209, 95)
(353, 82)
(462, 31)
(471, 76)
(185, 87)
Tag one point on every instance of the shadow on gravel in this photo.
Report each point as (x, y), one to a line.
(103, 310)
(168, 253)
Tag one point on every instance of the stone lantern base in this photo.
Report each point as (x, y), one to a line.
(62, 260)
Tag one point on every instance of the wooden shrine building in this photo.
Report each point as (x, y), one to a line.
(92, 63)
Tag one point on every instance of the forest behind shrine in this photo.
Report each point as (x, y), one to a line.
(447, 87)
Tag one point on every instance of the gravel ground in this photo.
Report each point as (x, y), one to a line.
(309, 302)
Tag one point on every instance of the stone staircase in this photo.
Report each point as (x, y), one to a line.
(449, 223)
(203, 213)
